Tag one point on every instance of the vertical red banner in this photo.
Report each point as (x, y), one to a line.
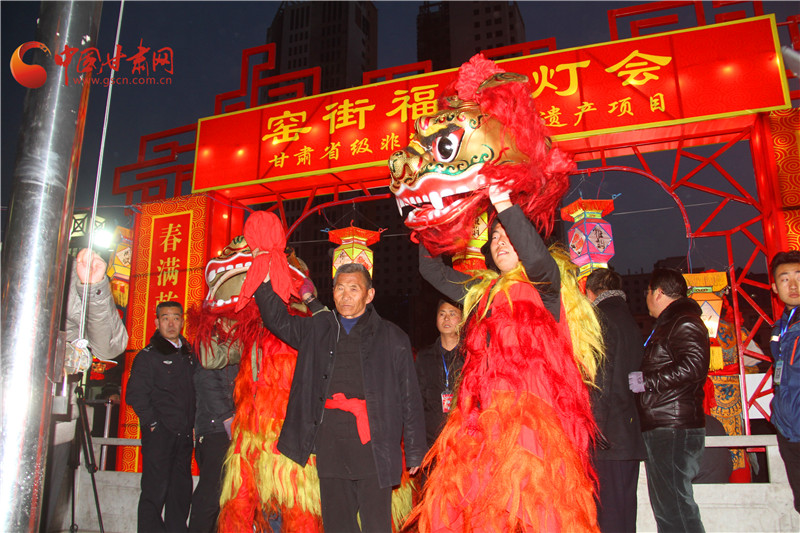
(173, 240)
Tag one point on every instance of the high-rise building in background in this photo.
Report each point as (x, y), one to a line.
(339, 37)
(449, 33)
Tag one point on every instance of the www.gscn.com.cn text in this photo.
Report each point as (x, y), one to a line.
(121, 80)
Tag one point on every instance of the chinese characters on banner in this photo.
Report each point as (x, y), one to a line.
(638, 83)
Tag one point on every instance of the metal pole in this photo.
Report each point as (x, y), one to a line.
(34, 260)
(106, 429)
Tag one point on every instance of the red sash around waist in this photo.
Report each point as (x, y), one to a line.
(357, 407)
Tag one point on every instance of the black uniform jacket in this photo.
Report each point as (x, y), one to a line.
(394, 404)
(675, 368)
(431, 377)
(160, 388)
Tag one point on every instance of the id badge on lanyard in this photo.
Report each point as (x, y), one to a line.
(447, 400)
(447, 394)
(778, 371)
(776, 375)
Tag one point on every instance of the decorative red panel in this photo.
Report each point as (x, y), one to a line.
(157, 164)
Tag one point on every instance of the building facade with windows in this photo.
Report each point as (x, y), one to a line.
(449, 33)
(339, 37)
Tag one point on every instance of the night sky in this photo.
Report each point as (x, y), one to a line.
(207, 39)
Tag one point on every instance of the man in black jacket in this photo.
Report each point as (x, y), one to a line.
(161, 392)
(438, 368)
(354, 397)
(619, 445)
(670, 400)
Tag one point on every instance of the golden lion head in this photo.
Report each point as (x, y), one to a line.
(488, 133)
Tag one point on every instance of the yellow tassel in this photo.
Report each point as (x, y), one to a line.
(716, 362)
(584, 326)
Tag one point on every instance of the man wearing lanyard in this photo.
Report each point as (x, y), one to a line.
(438, 367)
(669, 397)
(785, 268)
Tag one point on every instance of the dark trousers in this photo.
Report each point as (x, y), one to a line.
(616, 495)
(790, 453)
(166, 481)
(210, 454)
(673, 460)
(343, 499)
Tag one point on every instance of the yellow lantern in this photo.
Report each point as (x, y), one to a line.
(705, 288)
(471, 257)
(354, 247)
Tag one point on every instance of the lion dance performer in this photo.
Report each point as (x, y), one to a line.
(258, 482)
(514, 453)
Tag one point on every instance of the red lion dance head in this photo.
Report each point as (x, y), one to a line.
(488, 133)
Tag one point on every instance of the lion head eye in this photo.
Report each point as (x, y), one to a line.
(446, 147)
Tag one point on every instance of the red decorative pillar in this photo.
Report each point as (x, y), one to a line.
(471, 257)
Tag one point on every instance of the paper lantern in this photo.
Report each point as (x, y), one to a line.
(706, 289)
(591, 243)
(471, 258)
(119, 268)
(354, 247)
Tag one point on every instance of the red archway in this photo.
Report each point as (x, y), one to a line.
(168, 153)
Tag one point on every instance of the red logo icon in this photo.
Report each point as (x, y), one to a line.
(30, 76)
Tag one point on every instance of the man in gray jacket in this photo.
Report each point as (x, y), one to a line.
(354, 397)
(212, 432)
(107, 338)
(104, 329)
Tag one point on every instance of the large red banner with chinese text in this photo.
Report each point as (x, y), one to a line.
(173, 242)
(711, 72)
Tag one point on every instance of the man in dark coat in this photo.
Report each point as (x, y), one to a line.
(161, 392)
(670, 400)
(619, 445)
(438, 368)
(354, 397)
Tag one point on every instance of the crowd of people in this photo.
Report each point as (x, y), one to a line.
(359, 391)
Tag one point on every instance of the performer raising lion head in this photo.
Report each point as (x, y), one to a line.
(513, 455)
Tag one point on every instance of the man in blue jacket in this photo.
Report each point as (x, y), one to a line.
(785, 268)
(354, 397)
